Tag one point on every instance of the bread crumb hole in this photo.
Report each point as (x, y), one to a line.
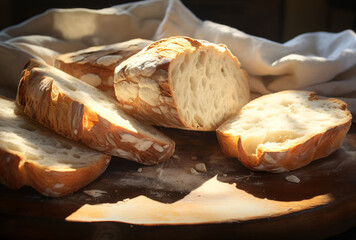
(222, 70)
(193, 84)
(182, 67)
(201, 57)
(207, 72)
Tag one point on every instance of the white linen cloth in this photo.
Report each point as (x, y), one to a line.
(320, 61)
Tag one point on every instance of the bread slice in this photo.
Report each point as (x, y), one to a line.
(83, 113)
(284, 131)
(96, 65)
(181, 82)
(33, 155)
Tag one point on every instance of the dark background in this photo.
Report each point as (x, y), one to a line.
(277, 20)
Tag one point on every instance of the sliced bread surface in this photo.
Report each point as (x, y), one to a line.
(181, 82)
(33, 155)
(81, 112)
(284, 131)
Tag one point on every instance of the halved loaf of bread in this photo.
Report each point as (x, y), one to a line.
(284, 131)
(96, 65)
(83, 113)
(33, 155)
(181, 82)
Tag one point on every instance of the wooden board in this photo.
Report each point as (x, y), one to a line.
(169, 201)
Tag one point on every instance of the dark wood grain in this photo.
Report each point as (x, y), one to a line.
(25, 214)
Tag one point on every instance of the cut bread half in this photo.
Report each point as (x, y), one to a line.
(181, 82)
(96, 65)
(83, 113)
(33, 155)
(284, 131)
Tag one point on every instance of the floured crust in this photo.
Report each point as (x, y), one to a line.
(308, 148)
(96, 65)
(144, 87)
(52, 172)
(75, 115)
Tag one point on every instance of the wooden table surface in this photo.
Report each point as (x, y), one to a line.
(25, 214)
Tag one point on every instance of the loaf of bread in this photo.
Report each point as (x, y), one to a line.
(83, 113)
(96, 65)
(33, 155)
(180, 82)
(284, 131)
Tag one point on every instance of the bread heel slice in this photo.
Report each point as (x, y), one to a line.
(83, 113)
(33, 155)
(285, 131)
(180, 82)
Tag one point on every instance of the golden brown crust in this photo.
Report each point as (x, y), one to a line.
(228, 143)
(160, 53)
(16, 171)
(54, 182)
(43, 101)
(300, 155)
(160, 106)
(11, 172)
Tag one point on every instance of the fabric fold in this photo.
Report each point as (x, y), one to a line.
(320, 61)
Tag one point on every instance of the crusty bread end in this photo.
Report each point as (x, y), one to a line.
(285, 131)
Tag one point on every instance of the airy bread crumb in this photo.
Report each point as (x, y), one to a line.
(284, 131)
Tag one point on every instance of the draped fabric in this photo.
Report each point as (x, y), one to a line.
(320, 61)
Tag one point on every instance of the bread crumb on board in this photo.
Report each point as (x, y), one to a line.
(94, 192)
(193, 171)
(139, 170)
(200, 167)
(159, 172)
(292, 178)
